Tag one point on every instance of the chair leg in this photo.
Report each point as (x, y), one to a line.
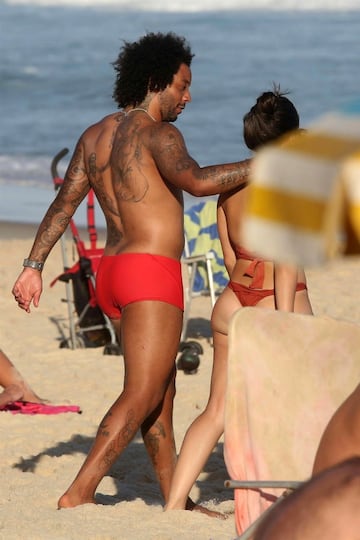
(290, 485)
(188, 300)
(69, 297)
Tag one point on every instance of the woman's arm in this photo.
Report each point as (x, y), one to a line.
(228, 252)
(285, 281)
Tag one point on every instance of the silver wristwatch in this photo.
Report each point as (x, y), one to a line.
(36, 265)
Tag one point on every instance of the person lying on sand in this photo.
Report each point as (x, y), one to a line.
(15, 386)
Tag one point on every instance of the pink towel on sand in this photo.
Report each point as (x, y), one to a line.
(287, 374)
(26, 407)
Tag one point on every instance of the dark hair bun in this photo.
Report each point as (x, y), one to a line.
(272, 115)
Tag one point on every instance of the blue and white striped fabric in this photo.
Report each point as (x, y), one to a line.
(304, 204)
(202, 236)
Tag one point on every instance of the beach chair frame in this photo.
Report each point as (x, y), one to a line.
(192, 262)
(88, 325)
(288, 485)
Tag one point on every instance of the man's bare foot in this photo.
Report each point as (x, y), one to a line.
(190, 505)
(68, 501)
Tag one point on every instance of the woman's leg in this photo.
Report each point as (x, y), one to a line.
(150, 336)
(205, 431)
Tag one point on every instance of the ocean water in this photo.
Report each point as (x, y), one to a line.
(56, 76)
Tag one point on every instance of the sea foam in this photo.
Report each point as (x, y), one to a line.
(199, 5)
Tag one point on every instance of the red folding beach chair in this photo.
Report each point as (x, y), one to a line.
(88, 325)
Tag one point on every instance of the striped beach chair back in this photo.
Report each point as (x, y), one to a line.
(202, 236)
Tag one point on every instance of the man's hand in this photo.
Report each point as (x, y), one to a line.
(28, 288)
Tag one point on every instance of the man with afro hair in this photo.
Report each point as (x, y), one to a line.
(137, 163)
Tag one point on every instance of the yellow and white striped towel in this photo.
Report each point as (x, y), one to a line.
(304, 203)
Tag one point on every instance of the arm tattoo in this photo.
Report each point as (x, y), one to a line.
(172, 156)
(57, 218)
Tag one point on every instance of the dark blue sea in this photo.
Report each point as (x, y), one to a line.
(56, 76)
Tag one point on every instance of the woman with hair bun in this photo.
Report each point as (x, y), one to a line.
(253, 282)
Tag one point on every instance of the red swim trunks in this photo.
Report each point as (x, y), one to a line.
(135, 277)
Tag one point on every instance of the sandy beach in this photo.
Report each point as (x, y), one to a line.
(40, 455)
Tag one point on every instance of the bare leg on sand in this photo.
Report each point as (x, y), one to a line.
(205, 431)
(15, 386)
(145, 402)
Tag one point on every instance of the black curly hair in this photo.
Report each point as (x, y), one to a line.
(272, 115)
(148, 64)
